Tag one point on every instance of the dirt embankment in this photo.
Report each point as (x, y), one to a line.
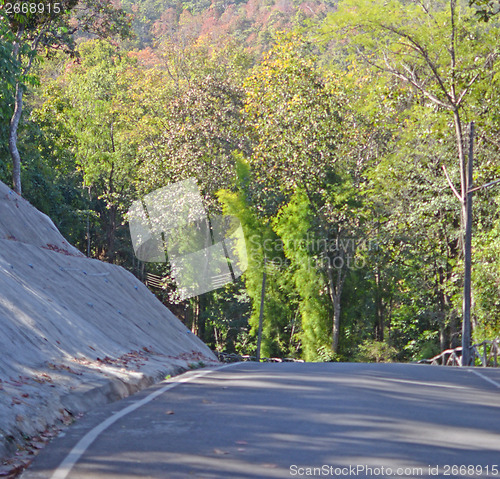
(75, 332)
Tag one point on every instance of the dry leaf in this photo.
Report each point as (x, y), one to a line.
(220, 452)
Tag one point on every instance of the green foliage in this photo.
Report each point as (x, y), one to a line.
(278, 335)
(96, 92)
(406, 41)
(376, 351)
(93, 105)
(293, 226)
(486, 274)
(485, 9)
(192, 122)
(303, 181)
(294, 121)
(51, 182)
(423, 85)
(325, 354)
(330, 158)
(9, 71)
(424, 347)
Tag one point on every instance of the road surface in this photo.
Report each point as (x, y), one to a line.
(287, 420)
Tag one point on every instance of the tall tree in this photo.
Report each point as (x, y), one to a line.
(296, 117)
(9, 69)
(193, 123)
(264, 252)
(42, 28)
(441, 51)
(97, 98)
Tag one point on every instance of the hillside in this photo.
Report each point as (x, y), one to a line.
(251, 23)
(76, 332)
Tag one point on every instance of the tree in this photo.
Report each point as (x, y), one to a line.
(407, 42)
(192, 123)
(52, 29)
(485, 9)
(9, 70)
(280, 332)
(294, 226)
(448, 72)
(95, 99)
(190, 127)
(296, 121)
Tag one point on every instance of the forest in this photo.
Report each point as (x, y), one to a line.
(335, 132)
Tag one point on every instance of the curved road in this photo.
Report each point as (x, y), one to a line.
(286, 420)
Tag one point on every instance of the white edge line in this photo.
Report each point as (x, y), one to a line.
(484, 377)
(83, 444)
(422, 383)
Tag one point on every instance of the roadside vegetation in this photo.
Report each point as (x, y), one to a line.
(328, 129)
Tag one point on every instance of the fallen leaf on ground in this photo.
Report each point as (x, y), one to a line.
(220, 452)
(37, 444)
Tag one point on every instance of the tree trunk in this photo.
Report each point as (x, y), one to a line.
(336, 321)
(335, 293)
(466, 321)
(13, 127)
(201, 317)
(111, 233)
(379, 308)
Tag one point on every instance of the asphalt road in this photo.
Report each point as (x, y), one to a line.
(283, 420)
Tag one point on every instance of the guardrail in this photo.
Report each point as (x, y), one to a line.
(491, 351)
(448, 357)
(488, 357)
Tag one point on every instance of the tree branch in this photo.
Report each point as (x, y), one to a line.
(482, 187)
(423, 53)
(427, 11)
(412, 81)
(457, 194)
(489, 58)
(402, 76)
(490, 140)
(452, 51)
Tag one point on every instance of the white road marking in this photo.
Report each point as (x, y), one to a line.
(83, 444)
(422, 383)
(484, 377)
